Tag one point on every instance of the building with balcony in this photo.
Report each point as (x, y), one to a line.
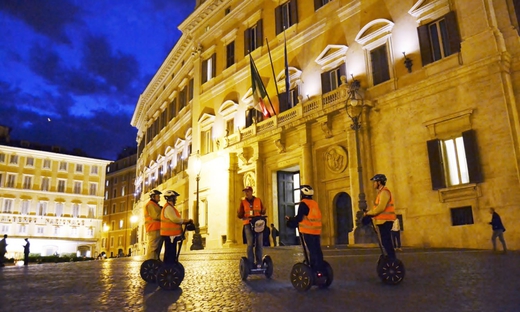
(53, 198)
(423, 91)
(119, 224)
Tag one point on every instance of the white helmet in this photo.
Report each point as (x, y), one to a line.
(153, 193)
(170, 195)
(307, 190)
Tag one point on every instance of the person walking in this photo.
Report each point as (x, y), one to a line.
(383, 213)
(274, 234)
(26, 251)
(498, 230)
(152, 222)
(396, 234)
(251, 206)
(171, 226)
(308, 222)
(3, 250)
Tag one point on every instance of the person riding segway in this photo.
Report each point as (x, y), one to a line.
(314, 270)
(152, 219)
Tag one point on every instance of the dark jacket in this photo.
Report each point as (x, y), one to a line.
(496, 222)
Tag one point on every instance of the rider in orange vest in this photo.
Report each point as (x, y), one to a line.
(383, 213)
(152, 222)
(171, 225)
(251, 206)
(308, 221)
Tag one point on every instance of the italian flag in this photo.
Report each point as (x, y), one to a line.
(258, 89)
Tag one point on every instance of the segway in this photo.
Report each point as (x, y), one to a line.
(390, 272)
(267, 262)
(304, 276)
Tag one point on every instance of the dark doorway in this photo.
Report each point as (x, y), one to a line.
(286, 207)
(344, 221)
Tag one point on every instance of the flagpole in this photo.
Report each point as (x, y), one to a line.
(272, 67)
(262, 85)
(286, 65)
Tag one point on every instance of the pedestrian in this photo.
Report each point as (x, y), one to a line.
(308, 222)
(267, 233)
(3, 250)
(26, 252)
(152, 222)
(251, 206)
(383, 213)
(274, 234)
(171, 226)
(396, 234)
(498, 230)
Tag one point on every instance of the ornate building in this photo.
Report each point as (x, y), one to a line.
(119, 224)
(53, 198)
(423, 91)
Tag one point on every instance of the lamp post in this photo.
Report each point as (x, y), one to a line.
(355, 106)
(197, 238)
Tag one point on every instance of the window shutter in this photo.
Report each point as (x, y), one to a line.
(325, 82)
(453, 32)
(471, 149)
(246, 42)
(424, 43)
(278, 19)
(317, 5)
(214, 65)
(293, 7)
(282, 101)
(204, 71)
(436, 166)
(260, 34)
(342, 71)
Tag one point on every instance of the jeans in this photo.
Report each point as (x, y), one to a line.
(386, 238)
(396, 239)
(314, 248)
(258, 244)
(170, 249)
(500, 235)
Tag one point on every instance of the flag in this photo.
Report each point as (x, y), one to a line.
(259, 93)
(287, 77)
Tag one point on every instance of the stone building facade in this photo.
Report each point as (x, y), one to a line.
(423, 91)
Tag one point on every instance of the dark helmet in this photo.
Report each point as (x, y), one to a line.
(170, 195)
(153, 193)
(306, 190)
(379, 177)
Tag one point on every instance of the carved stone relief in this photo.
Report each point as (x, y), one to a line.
(336, 158)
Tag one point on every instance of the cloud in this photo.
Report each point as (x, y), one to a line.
(48, 17)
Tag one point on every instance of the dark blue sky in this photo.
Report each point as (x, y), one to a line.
(71, 71)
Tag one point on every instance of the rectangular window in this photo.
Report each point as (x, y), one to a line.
(209, 68)
(230, 126)
(29, 162)
(454, 161)
(13, 160)
(331, 79)
(230, 54)
(182, 99)
(77, 187)
(90, 232)
(42, 209)
(11, 180)
(61, 186)
(172, 109)
(94, 170)
(22, 229)
(121, 224)
(79, 168)
(39, 230)
(46, 164)
(105, 210)
(380, 67)
(123, 190)
(253, 38)
(5, 228)
(113, 208)
(206, 142)
(91, 212)
(122, 207)
(111, 241)
(120, 240)
(24, 208)
(439, 39)
(114, 193)
(45, 184)
(63, 166)
(57, 230)
(93, 189)
(286, 15)
(319, 3)
(190, 89)
(2, 158)
(291, 101)
(59, 209)
(74, 231)
(113, 223)
(8, 205)
(27, 182)
(75, 210)
(461, 216)
(1, 179)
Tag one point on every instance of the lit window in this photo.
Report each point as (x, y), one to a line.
(29, 162)
(79, 168)
(13, 160)
(63, 166)
(46, 164)
(25, 208)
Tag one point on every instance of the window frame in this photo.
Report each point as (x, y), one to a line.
(453, 42)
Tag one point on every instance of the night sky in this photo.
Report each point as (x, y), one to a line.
(71, 71)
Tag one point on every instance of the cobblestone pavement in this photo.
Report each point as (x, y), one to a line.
(436, 280)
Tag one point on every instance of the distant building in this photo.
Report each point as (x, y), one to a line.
(119, 224)
(53, 198)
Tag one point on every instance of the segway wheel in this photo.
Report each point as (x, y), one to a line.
(170, 276)
(329, 274)
(149, 270)
(268, 265)
(391, 272)
(244, 268)
(302, 277)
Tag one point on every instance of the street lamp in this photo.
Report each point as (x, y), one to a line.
(355, 106)
(197, 238)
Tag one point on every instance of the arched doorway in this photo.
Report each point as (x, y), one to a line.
(343, 216)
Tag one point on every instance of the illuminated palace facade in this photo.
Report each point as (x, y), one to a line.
(52, 198)
(423, 91)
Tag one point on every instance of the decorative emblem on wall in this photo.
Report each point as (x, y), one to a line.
(249, 179)
(336, 159)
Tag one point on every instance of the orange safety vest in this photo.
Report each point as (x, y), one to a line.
(389, 213)
(150, 223)
(311, 223)
(257, 209)
(169, 228)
